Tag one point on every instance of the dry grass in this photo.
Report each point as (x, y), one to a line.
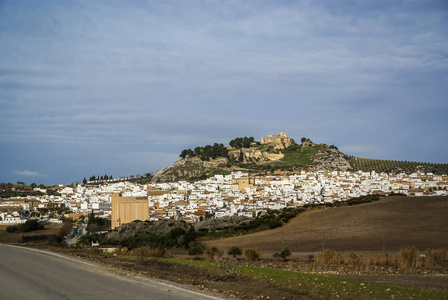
(213, 253)
(406, 259)
(145, 254)
(251, 255)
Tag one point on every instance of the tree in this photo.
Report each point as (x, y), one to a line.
(241, 156)
(196, 249)
(84, 181)
(184, 153)
(198, 151)
(284, 253)
(234, 251)
(247, 141)
(30, 225)
(303, 139)
(240, 142)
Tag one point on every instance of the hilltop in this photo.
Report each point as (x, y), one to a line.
(393, 223)
(278, 152)
(244, 154)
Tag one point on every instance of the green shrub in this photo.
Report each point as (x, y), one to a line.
(12, 229)
(196, 249)
(234, 251)
(284, 253)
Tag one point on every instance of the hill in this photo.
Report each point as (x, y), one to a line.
(278, 153)
(395, 222)
(249, 156)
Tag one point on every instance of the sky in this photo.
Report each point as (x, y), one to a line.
(122, 87)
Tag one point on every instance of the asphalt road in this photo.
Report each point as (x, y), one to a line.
(32, 274)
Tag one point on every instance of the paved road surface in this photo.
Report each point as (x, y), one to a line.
(30, 274)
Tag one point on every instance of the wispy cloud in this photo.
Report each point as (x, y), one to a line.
(28, 173)
(154, 76)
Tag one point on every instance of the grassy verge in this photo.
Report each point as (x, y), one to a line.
(322, 286)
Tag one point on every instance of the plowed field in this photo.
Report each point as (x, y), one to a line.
(389, 224)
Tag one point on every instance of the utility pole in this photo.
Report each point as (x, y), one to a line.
(323, 240)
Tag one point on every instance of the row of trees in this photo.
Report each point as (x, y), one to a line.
(241, 142)
(206, 152)
(378, 165)
(98, 178)
(29, 225)
(217, 150)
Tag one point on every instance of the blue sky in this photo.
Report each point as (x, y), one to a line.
(121, 87)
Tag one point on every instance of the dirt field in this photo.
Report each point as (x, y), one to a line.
(17, 237)
(391, 223)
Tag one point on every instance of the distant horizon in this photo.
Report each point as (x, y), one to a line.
(25, 172)
(121, 87)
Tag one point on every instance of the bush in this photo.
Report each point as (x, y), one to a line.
(435, 258)
(234, 251)
(407, 257)
(251, 255)
(284, 253)
(310, 257)
(34, 238)
(196, 249)
(12, 229)
(350, 258)
(325, 257)
(121, 251)
(212, 253)
(143, 254)
(30, 225)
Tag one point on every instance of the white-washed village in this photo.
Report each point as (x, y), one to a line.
(237, 194)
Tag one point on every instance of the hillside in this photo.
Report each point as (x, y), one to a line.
(402, 221)
(395, 166)
(254, 157)
(278, 153)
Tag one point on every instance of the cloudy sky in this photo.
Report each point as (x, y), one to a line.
(121, 87)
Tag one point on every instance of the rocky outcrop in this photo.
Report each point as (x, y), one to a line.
(221, 223)
(165, 226)
(326, 157)
(254, 155)
(332, 160)
(308, 143)
(130, 229)
(189, 168)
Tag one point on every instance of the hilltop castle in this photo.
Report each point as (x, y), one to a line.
(279, 141)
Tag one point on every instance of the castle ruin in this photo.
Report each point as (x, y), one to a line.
(279, 141)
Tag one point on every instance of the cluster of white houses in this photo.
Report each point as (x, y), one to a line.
(218, 196)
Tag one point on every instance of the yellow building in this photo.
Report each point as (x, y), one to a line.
(128, 209)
